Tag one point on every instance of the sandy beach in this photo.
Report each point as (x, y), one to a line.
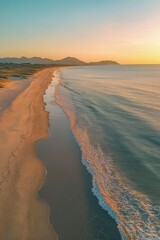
(10, 91)
(22, 215)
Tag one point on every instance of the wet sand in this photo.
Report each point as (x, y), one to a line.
(74, 210)
(22, 215)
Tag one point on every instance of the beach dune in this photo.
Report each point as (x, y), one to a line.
(23, 216)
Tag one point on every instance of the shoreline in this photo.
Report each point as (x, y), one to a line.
(94, 187)
(83, 105)
(22, 173)
(69, 190)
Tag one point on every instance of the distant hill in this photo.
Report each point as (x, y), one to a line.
(65, 61)
(33, 60)
(103, 62)
(70, 61)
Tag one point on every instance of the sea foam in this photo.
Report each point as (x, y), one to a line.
(137, 217)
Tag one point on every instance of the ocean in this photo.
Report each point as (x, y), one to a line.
(114, 114)
(74, 211)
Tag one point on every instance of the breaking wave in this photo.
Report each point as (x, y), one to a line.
(136, 215)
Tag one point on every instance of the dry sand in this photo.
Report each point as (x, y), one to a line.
(22, 215)
(10, 91)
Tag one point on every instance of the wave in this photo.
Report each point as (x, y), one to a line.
(137, 217)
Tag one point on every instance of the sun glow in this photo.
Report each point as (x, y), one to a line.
(124, 31)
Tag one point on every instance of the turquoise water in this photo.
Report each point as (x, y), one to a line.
(114, 113)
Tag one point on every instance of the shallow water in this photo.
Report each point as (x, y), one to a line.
(114, 113)
(17, 78)
(74, 210)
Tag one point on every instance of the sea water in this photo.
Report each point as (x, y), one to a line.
(74, 211)
(114, 113)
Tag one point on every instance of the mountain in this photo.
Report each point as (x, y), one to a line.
(38, 60)
(106, 62)
(65, 61)
(33, 60)
(70, 61)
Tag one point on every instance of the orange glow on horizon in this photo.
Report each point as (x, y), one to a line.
(124, 42)
(127, 32)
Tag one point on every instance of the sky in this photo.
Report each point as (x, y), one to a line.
(127, 31)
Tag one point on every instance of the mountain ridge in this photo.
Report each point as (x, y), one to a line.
(65, 61)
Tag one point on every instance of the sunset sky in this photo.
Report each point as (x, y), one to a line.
(127, 31)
